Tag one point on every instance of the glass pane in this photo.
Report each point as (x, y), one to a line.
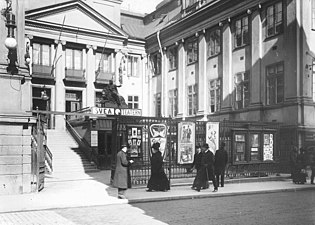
(36, 54)
(129, 98)
(77, 59)
(136, 98)
(46, 55)
(69, 57)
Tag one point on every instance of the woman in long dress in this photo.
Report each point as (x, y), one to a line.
(158, 180)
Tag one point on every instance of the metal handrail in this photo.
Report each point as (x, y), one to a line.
(48, 159)
(87, 149)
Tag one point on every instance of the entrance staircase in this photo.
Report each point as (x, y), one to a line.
(67, 158)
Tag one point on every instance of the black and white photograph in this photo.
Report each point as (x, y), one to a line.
(179, 112)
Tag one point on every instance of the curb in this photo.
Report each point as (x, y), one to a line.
(209, 195)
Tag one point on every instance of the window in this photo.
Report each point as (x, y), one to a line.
(274, 19)
(192, 51)
(192, 99)
(190, 2)
(254, 147)
(214, 42)
(98, 99)
(241, 90)
(158, 110)
(239, 148)
(275, 84)
(41, 54)
(157, 63)
(172, 59)
(74, 59)
(173, 102)
(132, 66)
(103, 62)
(241, 35)
(215, 95)
(133, 102)
(313, 14)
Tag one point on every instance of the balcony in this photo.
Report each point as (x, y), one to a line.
(74, 75)
(42, 72)
(102, 77)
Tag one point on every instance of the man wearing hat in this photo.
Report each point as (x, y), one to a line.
(220, 161)
(121, 172)
(207, 163)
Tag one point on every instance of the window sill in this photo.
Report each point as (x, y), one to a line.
(191, 63)
(240, 47)
(267, 38)
(171, 70)
(213, 56)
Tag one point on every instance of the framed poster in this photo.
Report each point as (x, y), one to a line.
(158, 132)
(186, 142)
(268, 147)
(134, 136)
(212, 136)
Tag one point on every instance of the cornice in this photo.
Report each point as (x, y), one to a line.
(204, 18)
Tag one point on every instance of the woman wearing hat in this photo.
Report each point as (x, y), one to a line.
(121, 172)
(158, 180)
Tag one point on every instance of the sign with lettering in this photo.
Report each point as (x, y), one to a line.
(116, 111)
(134, 135)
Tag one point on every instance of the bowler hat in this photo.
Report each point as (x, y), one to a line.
(156, 145)
(205, 145)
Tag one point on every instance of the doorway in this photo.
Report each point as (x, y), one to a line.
(105, 148)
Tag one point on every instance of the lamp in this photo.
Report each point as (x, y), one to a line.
(44, 95)
(10, 42)
(27, 56)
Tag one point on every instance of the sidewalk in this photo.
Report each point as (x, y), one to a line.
(93, 189)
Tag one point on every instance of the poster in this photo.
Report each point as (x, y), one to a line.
(134, 135)
(158, 132)
(186, 142)
(268, 147)
(212, 136)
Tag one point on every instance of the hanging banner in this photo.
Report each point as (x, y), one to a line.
(158, 134)
(186, 142)
(134, 135)
(212, 136)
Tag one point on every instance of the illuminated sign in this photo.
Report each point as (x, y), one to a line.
(116, 111)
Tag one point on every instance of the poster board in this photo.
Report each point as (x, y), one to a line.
(158, 133)
(212, 136)
(186, 142)
(134, 136)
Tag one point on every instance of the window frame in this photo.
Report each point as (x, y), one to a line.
(244, 92)
(214, 45)
(173, 102)
(41, 55)
(133, 101)
(274, 77)
(109, 62)
(157, 63)
(158, 104)
(133, 68)
(192, 50)
(239, 31)
(273, 23)
(192, 98)
(217, 90)
(172, 58)
(73, 58)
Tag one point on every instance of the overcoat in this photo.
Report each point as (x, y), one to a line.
(121, 171)
(220, 160)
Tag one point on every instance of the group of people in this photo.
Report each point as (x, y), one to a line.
(300, 159)
(209, 167)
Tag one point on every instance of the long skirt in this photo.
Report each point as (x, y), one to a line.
(158, 182)
(201, 179)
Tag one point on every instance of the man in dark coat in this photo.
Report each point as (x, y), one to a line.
(207, 168)
(121, 172)
(197, 165)
(158, 180)
(220, 161)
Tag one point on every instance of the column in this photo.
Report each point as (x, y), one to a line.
(164, 93)
(202, 77)
(60, 96)
(227, 87)
(90, 75)
(181, 81)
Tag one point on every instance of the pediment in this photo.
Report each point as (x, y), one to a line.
(75, 15)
